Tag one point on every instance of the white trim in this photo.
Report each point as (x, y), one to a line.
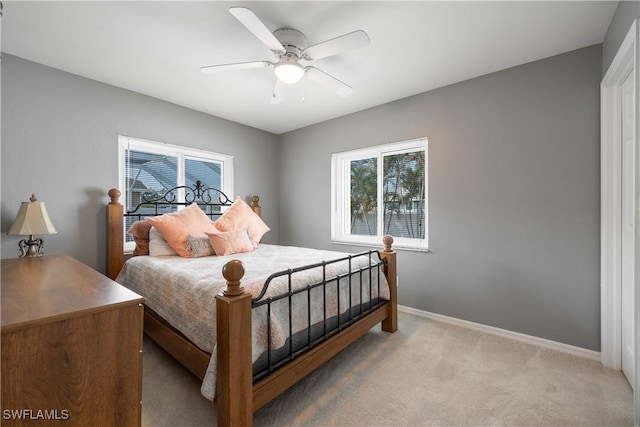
(340, 190)
(610, 228)
(610, 193)
(527, 339)
(636, 379)
(627, 60)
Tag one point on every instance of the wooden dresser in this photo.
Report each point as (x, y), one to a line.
(71, 346)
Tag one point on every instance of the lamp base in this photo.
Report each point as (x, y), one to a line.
(30, 247)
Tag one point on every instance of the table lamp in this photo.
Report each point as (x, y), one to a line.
(32, 219)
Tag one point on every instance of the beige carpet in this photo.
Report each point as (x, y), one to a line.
(426, 374)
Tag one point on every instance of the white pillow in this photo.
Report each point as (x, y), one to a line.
(158, 246)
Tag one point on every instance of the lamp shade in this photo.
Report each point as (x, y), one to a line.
(32, 218)
(289, 72)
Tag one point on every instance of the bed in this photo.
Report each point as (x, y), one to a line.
(268, 317)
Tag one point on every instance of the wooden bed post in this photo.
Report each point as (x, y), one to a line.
(390, 324)
(255, 200)
(234, 378)
(115, 234)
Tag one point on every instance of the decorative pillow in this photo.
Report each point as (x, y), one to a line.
(140, 232)
(158, 246)
(240, 216)
(199, 245)
(230, 242)
(176, 226)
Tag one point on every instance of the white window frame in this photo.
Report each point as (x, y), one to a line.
(181, 153)
(341, 189)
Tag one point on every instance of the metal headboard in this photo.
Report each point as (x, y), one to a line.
(152, 202)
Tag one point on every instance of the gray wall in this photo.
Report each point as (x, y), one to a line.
(60, 141)
(513, 181)
(626, 13)
(513, 195)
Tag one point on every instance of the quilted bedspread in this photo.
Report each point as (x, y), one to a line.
(182, 291)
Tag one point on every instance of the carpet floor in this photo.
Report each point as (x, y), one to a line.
(426, 374)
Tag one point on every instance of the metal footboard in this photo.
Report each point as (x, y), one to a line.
(362, 286)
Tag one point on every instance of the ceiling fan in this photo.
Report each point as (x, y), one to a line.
(290, 47)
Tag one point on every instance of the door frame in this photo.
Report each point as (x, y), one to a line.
(626, 60)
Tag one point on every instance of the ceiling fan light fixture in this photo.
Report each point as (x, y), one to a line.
(289, 72)
(290, 47)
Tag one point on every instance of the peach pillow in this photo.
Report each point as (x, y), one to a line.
(176, 226)
(240, 216)
(140, 232)
(230, 242)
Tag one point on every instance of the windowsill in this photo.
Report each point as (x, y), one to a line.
(394, 246)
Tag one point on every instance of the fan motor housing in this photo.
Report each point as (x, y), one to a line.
(293, 41)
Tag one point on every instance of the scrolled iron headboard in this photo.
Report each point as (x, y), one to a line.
(198, 193)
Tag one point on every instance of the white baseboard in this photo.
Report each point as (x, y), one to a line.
(528, 339)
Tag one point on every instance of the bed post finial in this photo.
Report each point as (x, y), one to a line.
(255, 205)
(233, 272)
(388, 241)
(114, 195)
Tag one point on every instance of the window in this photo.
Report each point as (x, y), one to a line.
(147, 166)
(381, 190)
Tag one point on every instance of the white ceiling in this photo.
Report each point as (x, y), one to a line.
(157, 47)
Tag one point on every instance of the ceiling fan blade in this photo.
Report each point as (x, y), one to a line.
(349, 41)
(255, 25)
(235, 66)
(328, 81)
